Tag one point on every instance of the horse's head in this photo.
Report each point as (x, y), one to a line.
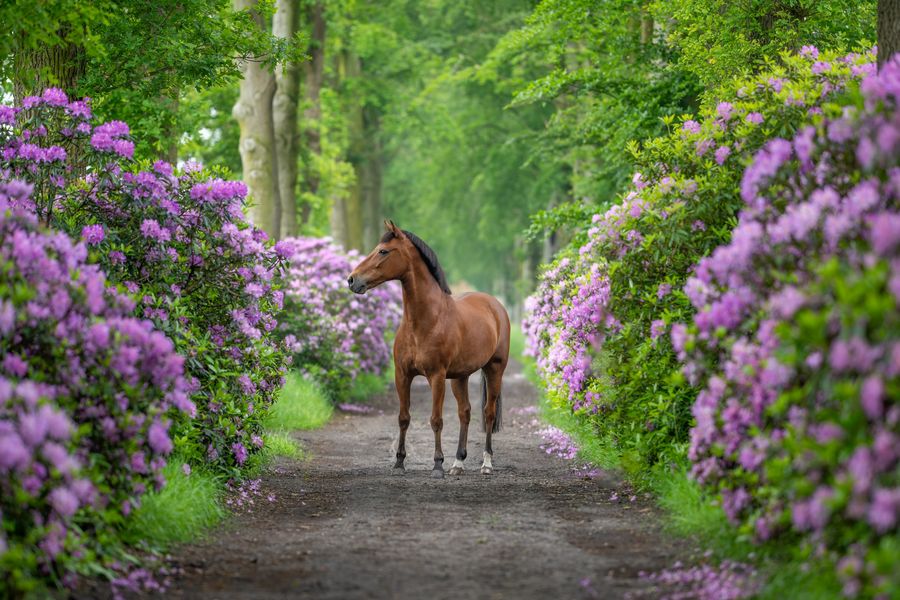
(389, 260)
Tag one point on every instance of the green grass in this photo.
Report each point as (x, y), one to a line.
(302, 404)
(280, 443)
(691, 513)
(590, 447)
(367, 385)
(182, 510)
(516, 342)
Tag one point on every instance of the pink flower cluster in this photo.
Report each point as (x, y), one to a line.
(727, 581)
(558, 443)
(334, 335)
(85, 390)
(797, 337)
(637, 249)
(180, 244)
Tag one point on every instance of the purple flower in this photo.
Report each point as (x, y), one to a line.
(247, 385)
(55, 97)
(92, 234)
(63, 501)
(885, 232)
(13, 453)
(724, 110)
(691, 126)
(240, 453)
(722, 154)
(158, 438)
(871, 397)
(755, 118)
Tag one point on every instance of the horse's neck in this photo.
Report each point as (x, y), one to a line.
(424, 302)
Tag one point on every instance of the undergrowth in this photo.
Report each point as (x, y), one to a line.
(302, 404)
(691, 514)
(187, 505)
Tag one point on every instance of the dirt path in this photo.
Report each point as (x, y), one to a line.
(342, 527)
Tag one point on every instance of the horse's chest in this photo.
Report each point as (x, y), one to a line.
(427, 357)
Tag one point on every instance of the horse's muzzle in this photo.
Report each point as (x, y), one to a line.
(357, 285)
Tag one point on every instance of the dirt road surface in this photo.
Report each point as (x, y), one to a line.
(339, 525)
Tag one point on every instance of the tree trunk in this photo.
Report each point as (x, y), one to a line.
(259, 159)
(369, 175)
(285, 24)
(35, 69)
(357, 155)
(169, 146)
(888, 30)
(314, 73)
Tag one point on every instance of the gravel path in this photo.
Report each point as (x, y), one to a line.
(341, 526)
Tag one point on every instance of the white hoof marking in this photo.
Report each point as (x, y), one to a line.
(487, 467)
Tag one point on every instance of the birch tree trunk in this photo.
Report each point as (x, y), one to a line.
(888, 30)
(259, 159)
(285, 24)
(314, 74)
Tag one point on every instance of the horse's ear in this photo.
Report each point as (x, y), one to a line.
(389, 226)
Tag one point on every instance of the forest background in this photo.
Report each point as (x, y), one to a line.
(492, 129)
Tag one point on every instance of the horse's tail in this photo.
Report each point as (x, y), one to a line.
(498, 415)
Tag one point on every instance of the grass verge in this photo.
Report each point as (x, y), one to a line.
(186, 506)
(689, 512)
(302, 404)
(190, 504)
(367, 385)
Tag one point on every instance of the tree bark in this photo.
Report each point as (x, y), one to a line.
(61, 65)
(888, 30)
(354, 205)
(369, 176)
(259, 159)
(285, 24)
(314, 74)
(169, 145)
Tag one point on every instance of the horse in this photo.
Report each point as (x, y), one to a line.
(441, 337)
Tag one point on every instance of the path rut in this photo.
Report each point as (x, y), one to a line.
(342, 527)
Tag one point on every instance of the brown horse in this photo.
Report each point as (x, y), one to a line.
(441, 337)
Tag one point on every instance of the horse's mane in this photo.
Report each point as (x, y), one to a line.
(428, 256)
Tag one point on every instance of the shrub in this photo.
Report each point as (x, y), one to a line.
(335, 336)
(597, 320)
(86, 392)
(180, 244)
(796, 340)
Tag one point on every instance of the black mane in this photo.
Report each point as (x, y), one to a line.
(427, 254)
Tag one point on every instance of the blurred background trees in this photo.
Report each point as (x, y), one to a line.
(467, 122)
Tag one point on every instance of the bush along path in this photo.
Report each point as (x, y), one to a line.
(339, 525)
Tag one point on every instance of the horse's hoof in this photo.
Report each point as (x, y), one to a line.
(487, 471)
(437, 474)
(456, 471)
(398, 471)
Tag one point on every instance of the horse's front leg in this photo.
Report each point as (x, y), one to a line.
(403, 382)
(460, 389)
(437, 383)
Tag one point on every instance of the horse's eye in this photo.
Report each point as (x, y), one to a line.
(382, 252)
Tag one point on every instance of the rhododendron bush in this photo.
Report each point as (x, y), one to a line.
(86, 391)
(334, 336)
(598, 322)
(796, 341)
(179, 243)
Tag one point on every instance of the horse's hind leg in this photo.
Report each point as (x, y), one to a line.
(460, 389)
(491, 387)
